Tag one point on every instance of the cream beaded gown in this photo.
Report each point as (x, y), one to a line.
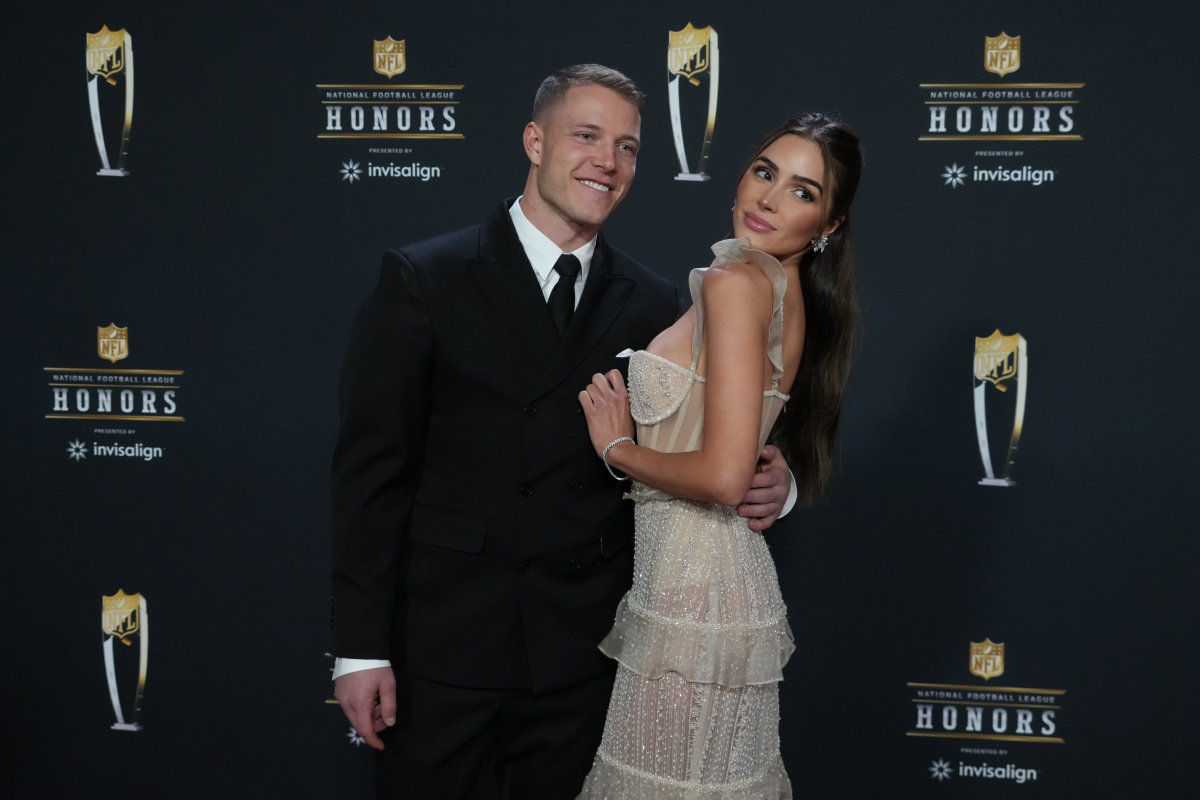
(702, 636)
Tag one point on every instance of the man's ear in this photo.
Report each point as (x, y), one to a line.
(533, 143)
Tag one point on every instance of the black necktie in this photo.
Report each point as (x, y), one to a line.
(562, 296)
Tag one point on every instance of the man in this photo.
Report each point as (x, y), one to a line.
(480, 546)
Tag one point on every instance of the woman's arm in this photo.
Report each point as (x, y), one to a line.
(737, 301)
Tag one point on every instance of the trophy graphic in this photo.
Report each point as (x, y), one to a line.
(998, 359)
(122, 617)
(692, 52)
(109, 55)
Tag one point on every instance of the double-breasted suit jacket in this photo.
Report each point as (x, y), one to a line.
(479, 541)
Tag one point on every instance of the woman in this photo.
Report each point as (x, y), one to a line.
(702, 636)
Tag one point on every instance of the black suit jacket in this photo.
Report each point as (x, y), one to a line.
(478, 539)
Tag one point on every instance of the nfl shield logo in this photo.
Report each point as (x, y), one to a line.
(112, 343)
(106, 53)
(119, 615)
(1002, 54)
(996, 358)
(687, 51)
(987, 659)
(389, 56)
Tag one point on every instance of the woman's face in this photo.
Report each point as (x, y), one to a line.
(780, 198)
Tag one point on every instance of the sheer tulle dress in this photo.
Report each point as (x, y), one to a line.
(702, 636)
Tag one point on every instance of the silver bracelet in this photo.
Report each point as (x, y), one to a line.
(604, 456)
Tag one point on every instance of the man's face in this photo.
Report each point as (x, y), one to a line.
(585, 153)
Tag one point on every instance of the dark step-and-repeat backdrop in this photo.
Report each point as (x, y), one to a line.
(997, 600)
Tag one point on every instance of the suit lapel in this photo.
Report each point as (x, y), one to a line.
(604, 296)
(508, 284)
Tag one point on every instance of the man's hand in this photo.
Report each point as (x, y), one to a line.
(768, 491)
(368, 699)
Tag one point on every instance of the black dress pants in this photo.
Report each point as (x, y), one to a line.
(455, 743)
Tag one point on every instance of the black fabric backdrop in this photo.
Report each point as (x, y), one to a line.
(237, 251)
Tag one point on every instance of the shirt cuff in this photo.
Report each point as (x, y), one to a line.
(344, 666)
(793, 496)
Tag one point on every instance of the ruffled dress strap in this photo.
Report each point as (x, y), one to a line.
(739, 251)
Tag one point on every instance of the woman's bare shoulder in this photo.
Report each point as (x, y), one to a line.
(736, 283)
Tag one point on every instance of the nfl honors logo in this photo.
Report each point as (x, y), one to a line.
(112, 343)
(987, 659)
(1002, 54)
(389, 57)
